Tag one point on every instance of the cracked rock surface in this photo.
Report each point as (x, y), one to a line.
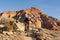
(39, 25)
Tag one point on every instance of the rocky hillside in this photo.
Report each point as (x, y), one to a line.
(28, 24)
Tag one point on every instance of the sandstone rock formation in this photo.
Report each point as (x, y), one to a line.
(31, 24)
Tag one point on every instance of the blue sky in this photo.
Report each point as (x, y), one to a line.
(50, 7)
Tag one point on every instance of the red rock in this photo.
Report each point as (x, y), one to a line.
(37, 18)
(8, 14)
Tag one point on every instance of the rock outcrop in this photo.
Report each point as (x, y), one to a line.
(31, 24)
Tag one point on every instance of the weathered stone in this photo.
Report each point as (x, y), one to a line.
(38, 25)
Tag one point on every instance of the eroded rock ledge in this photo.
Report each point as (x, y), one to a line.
(39, 26)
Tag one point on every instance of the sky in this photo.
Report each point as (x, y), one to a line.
(50, 7)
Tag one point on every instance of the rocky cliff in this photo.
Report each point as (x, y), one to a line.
(28, 24)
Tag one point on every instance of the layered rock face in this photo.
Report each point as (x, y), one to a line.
(31, 20)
